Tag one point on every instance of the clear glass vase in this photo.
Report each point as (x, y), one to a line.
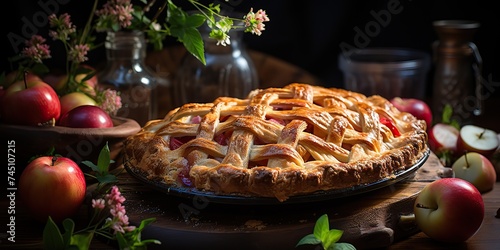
(126, 72)
(229, 71)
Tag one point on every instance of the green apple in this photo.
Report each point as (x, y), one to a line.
(476, 169)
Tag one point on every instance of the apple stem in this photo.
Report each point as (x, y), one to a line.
(466, 160)
(54, 159)
(481, 134)
(24, 79)
(406, 219)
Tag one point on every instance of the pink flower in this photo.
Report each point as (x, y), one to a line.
(63, 27)
(36, 49)
(115, 12)
(119, 221)
(78, 53)
(124, 15)
(99, 204)
(254, 22)
(110, 101)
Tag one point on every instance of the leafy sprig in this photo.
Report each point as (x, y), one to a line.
(447, 116)
(326, 237)
(178, 23)
(447, 157)
(102, 174)
(114, 228)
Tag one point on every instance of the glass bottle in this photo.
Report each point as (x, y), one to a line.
(229, 71)
(126, 72)
(457, 77)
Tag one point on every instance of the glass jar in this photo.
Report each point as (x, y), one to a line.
(229, 71)
(126, 72)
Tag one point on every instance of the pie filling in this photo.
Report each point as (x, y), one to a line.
(279, 142)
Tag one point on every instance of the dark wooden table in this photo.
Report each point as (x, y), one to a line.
(28, 233)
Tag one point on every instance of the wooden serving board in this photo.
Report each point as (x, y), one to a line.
(369, 220)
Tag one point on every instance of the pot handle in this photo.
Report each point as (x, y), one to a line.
(477, 66)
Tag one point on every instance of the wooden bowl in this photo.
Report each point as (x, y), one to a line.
(79, 144)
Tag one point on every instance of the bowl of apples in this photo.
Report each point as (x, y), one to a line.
(32, 124)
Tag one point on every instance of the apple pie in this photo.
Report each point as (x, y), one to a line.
(278, 142)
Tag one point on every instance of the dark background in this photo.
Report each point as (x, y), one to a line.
(307, 34)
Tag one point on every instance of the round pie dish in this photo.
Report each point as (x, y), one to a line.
(190, 193)
(79, 144)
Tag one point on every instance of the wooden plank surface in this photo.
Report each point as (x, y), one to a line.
(369, 220)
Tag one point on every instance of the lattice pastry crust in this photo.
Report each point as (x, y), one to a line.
(279, 142)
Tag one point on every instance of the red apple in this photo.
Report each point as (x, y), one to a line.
(476, 169)
(86, 116)
(449, 210)
(32, 103)
(443, 137)
(477, 139)
(73, 100)
(52, 186)
(416, 107)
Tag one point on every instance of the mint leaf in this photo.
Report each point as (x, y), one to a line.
(309, 239)
(324, 236)
(322, 227)
(343, 246)
(331, 237)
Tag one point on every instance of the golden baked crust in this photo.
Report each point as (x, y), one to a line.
(279, 142)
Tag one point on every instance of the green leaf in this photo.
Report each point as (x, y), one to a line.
(145, 222)
(52, 238)
(82, 241)
(185, 28)
(40, 69)
(91, 165)
(104, 160)
(194, 44)
(321, 227)
(331, 237)
(122, 242)
(447, 113)
(342, 246)
(214, 7)
(109, 178)
(309, 239)
(69, 227)
(447, 116)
